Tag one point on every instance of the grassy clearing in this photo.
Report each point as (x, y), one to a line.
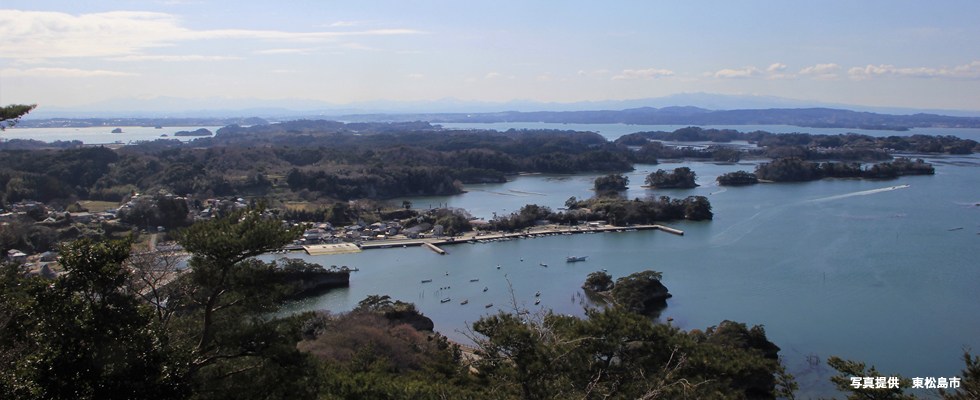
(98, 205)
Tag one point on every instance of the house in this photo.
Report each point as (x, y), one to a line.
(16, 256)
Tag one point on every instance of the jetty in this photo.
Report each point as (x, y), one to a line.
(481, 237)
(435, 249)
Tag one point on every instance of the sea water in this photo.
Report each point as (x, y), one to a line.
(861, 269)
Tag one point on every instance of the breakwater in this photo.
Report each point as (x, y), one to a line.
(479, 237)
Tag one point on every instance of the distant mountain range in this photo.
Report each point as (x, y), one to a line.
(217, 107)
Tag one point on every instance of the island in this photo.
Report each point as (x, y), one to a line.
(117, 130)
(199, 132)
(681, 178)
(640, 292)
(737, 178)
(614, 182)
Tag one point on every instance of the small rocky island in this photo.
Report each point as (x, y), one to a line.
(199, 132)
(641, 292)
(117, 130)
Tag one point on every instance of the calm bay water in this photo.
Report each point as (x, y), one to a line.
(833, 267)
(102, 134)
(614, 131)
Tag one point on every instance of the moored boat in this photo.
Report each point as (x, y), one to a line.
(464, 302)
(445, 300)
(574, 258)
(426, 280)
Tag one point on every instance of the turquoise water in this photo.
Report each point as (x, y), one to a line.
(842, 268)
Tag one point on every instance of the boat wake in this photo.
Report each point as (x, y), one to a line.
(861, 193)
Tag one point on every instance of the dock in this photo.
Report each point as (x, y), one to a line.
(335, 248)
(434, 243)
(433, 247)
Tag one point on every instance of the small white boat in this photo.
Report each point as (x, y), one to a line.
(485, 288)
(426, 280)
(537, 294)
(574, 258)
(445, 300)
(538, 301)
(543, 264)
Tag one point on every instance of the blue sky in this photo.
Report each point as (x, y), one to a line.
(873, 53)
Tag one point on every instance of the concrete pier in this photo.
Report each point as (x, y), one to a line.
(433, 243)
(433, 247)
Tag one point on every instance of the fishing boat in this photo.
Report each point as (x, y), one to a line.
(355, 269)
(445, 300)
(464, 302)
(537, 294)
(489, 305)
(543, 264)
(475, 280)
(426, 280)
(574, 258)
(485, 288)
(538, 301)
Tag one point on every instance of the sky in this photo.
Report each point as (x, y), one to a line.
(893, 53)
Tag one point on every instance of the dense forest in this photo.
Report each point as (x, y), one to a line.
(793, 169)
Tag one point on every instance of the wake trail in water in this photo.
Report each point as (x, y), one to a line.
(738, 231)
(861, 193)
(723, 190)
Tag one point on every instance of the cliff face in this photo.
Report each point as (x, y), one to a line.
(309, 283)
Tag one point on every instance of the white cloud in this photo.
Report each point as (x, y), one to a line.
(776, 67)
(643, 74)
(414, 76)
(190, 57)
(969, 71)
(36, 34)
(492, 75)
(747, 72)
(820, 69)
(60, 73)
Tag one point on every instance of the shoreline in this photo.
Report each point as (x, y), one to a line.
(474, 237)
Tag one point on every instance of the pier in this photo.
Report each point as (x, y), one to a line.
(434, 243)
(435, 249)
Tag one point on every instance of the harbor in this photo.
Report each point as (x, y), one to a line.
(478, 237)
